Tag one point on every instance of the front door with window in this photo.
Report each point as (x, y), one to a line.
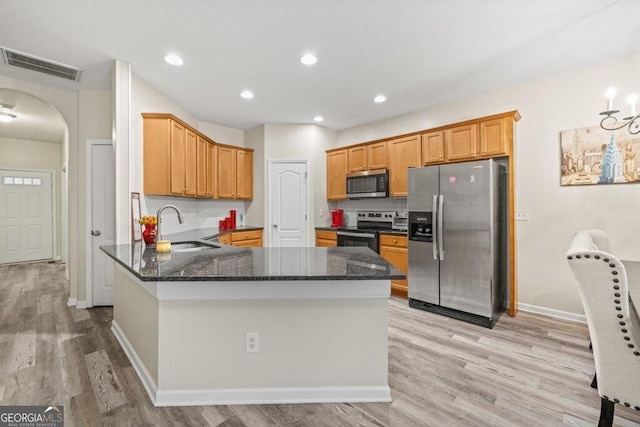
(26, 216)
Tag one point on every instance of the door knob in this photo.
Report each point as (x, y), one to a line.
(275, 225)
(95, 232)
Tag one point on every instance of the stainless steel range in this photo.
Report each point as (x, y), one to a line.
(369, 224)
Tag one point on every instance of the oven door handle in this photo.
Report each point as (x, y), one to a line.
(367, 235)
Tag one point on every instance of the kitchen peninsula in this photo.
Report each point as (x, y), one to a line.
(229, 325)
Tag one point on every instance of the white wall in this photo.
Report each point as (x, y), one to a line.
(548, 106)
(197, 213)
(25, 154)
(254, 138)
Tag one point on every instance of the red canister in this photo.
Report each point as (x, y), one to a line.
(221, 225)
(232, 215)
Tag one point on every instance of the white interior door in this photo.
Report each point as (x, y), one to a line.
(288, 191)
(103, 224)
(26, 216)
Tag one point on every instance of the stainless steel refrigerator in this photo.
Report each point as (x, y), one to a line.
(458, 240)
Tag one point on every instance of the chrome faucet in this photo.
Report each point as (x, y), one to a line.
(160, 222)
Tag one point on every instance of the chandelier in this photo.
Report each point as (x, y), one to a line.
(611, 122)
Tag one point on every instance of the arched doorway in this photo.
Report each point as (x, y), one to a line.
(33, 179)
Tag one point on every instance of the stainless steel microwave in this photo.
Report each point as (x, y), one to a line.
(368, 184)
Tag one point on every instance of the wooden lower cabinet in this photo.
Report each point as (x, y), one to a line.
(326, 238)
(251, 238)
(394, 249)
(247, 239)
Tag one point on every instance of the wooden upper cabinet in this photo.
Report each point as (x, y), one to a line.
(377, 155)
(201, 167)
(337, 168)
(178, 158)
(157, 156)
(404, 153)
(495, 136)
(226, 172)
(432, 147)
(244, 174)
(358, 159)
(212, 171)
(461, 142)
(191, 163)
(180, 161)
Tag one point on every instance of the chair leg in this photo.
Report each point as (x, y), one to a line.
(606, 413)
(594, 383)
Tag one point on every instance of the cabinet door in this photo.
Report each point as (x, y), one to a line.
(212, 167)
(398, 257)
(432, 147)
(337, 164)
(493, 137)
(244, 174)
(157, 156)
(377, 155)
(324, 243)
(226, 172)
(191, 173)
(201, 167)
(462, 142)
(225, 238)
(358, 159)
(404, 153)
(178, 158)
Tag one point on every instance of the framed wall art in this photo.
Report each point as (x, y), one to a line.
(593, 155)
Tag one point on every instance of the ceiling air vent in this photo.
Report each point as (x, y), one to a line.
(41, 65)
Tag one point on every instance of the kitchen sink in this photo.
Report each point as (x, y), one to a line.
(191, 246)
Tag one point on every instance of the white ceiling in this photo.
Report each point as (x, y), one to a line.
(418, 53)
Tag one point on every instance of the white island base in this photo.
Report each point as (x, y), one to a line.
(319, 340)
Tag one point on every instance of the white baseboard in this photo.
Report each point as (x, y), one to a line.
(148, 383)
(83, 304)
(565, 315)
(71, 302)
(274, 396)
(247, 396)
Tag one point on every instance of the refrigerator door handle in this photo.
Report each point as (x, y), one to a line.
(434, 226)
(440, 226)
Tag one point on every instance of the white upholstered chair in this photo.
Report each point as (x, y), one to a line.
(602, 282)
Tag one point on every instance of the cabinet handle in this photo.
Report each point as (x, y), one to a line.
(395, 240)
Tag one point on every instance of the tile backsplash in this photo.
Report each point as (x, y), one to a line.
(196, 213)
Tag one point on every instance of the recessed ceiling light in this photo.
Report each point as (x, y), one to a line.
(308, 59)
(6, 117)
(318, 119)
(379, 99)
(174, 59)
(246, 94)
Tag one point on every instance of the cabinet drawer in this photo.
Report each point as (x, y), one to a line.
(246, 235)
(326, 235)
(393, 240)
(253, 243)
(326, 243)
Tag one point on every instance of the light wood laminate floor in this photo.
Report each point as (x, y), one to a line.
(529, 370)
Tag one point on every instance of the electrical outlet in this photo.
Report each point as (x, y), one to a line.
(522, 214)
(253, 342)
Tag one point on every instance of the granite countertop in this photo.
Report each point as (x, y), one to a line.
(229, 263)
